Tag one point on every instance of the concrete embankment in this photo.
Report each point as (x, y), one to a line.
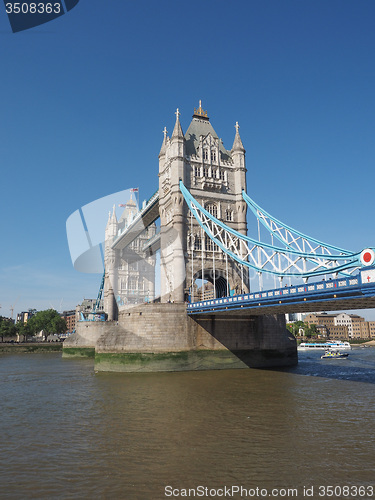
(31, 347)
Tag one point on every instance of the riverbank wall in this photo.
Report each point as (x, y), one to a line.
(31, 347)
(162, 337)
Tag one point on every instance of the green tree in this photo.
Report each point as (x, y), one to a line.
(7, 328)
(24, 330)
(295, 327)
(312, 331)
(48, 321)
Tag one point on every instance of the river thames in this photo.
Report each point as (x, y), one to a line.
(70, 433)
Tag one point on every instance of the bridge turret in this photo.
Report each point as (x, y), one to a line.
(239, 167)
(163, 150)
(110, 265)
(172, 213)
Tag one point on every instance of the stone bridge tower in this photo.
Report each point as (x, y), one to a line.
(130, 271)
(216, 178)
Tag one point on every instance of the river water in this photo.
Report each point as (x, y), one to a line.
(70, 433)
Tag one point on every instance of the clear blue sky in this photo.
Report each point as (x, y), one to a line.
(85, 99)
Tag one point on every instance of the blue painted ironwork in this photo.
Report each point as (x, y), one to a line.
(264, 257)
(355, 287)
(292, 238)
(100, 294)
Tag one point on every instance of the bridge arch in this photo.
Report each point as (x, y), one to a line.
(214, 283)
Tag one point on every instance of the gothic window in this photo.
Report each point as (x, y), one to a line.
(209, 244)
(228, 215)
(222, 175)
(213, 155)
(211, 208)
(205, 171)
(197, 171)
(123, 284)
(132, 283)
(205, 154)
(197, 243)
(134, 244)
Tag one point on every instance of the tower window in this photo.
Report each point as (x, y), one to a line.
(205, 171)
(197, 171)
(228, 215)
(132, 283)
(222, 175)
(213, 155)
(211, 208)
(205, 154)
(209, 244)
(197, 243)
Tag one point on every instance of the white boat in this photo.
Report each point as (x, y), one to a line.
(323, 346)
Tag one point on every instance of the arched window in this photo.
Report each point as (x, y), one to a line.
(211, 208)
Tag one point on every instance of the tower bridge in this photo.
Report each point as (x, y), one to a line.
(202, 206)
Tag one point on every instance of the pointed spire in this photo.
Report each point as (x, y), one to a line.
(114, 218)
(177, 131)
(164, 143)
(109, 219)
(237, 144)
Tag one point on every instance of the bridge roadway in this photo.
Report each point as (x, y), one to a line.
(357, 292)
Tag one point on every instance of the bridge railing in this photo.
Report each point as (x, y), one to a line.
(326, 290)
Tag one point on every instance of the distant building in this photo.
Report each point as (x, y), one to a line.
(342, 326)
(70, 318)
(205, 292)
(357, 326)
(371, 327)
(89, 309)
(23, 317)
(292, 317)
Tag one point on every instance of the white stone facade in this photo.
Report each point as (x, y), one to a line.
(216, 178)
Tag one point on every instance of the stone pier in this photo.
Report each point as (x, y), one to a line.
(162, 337)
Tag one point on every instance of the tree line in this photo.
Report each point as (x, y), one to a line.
(299, 326)
(48, 322)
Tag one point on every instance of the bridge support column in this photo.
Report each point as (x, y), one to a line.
(258, 341)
